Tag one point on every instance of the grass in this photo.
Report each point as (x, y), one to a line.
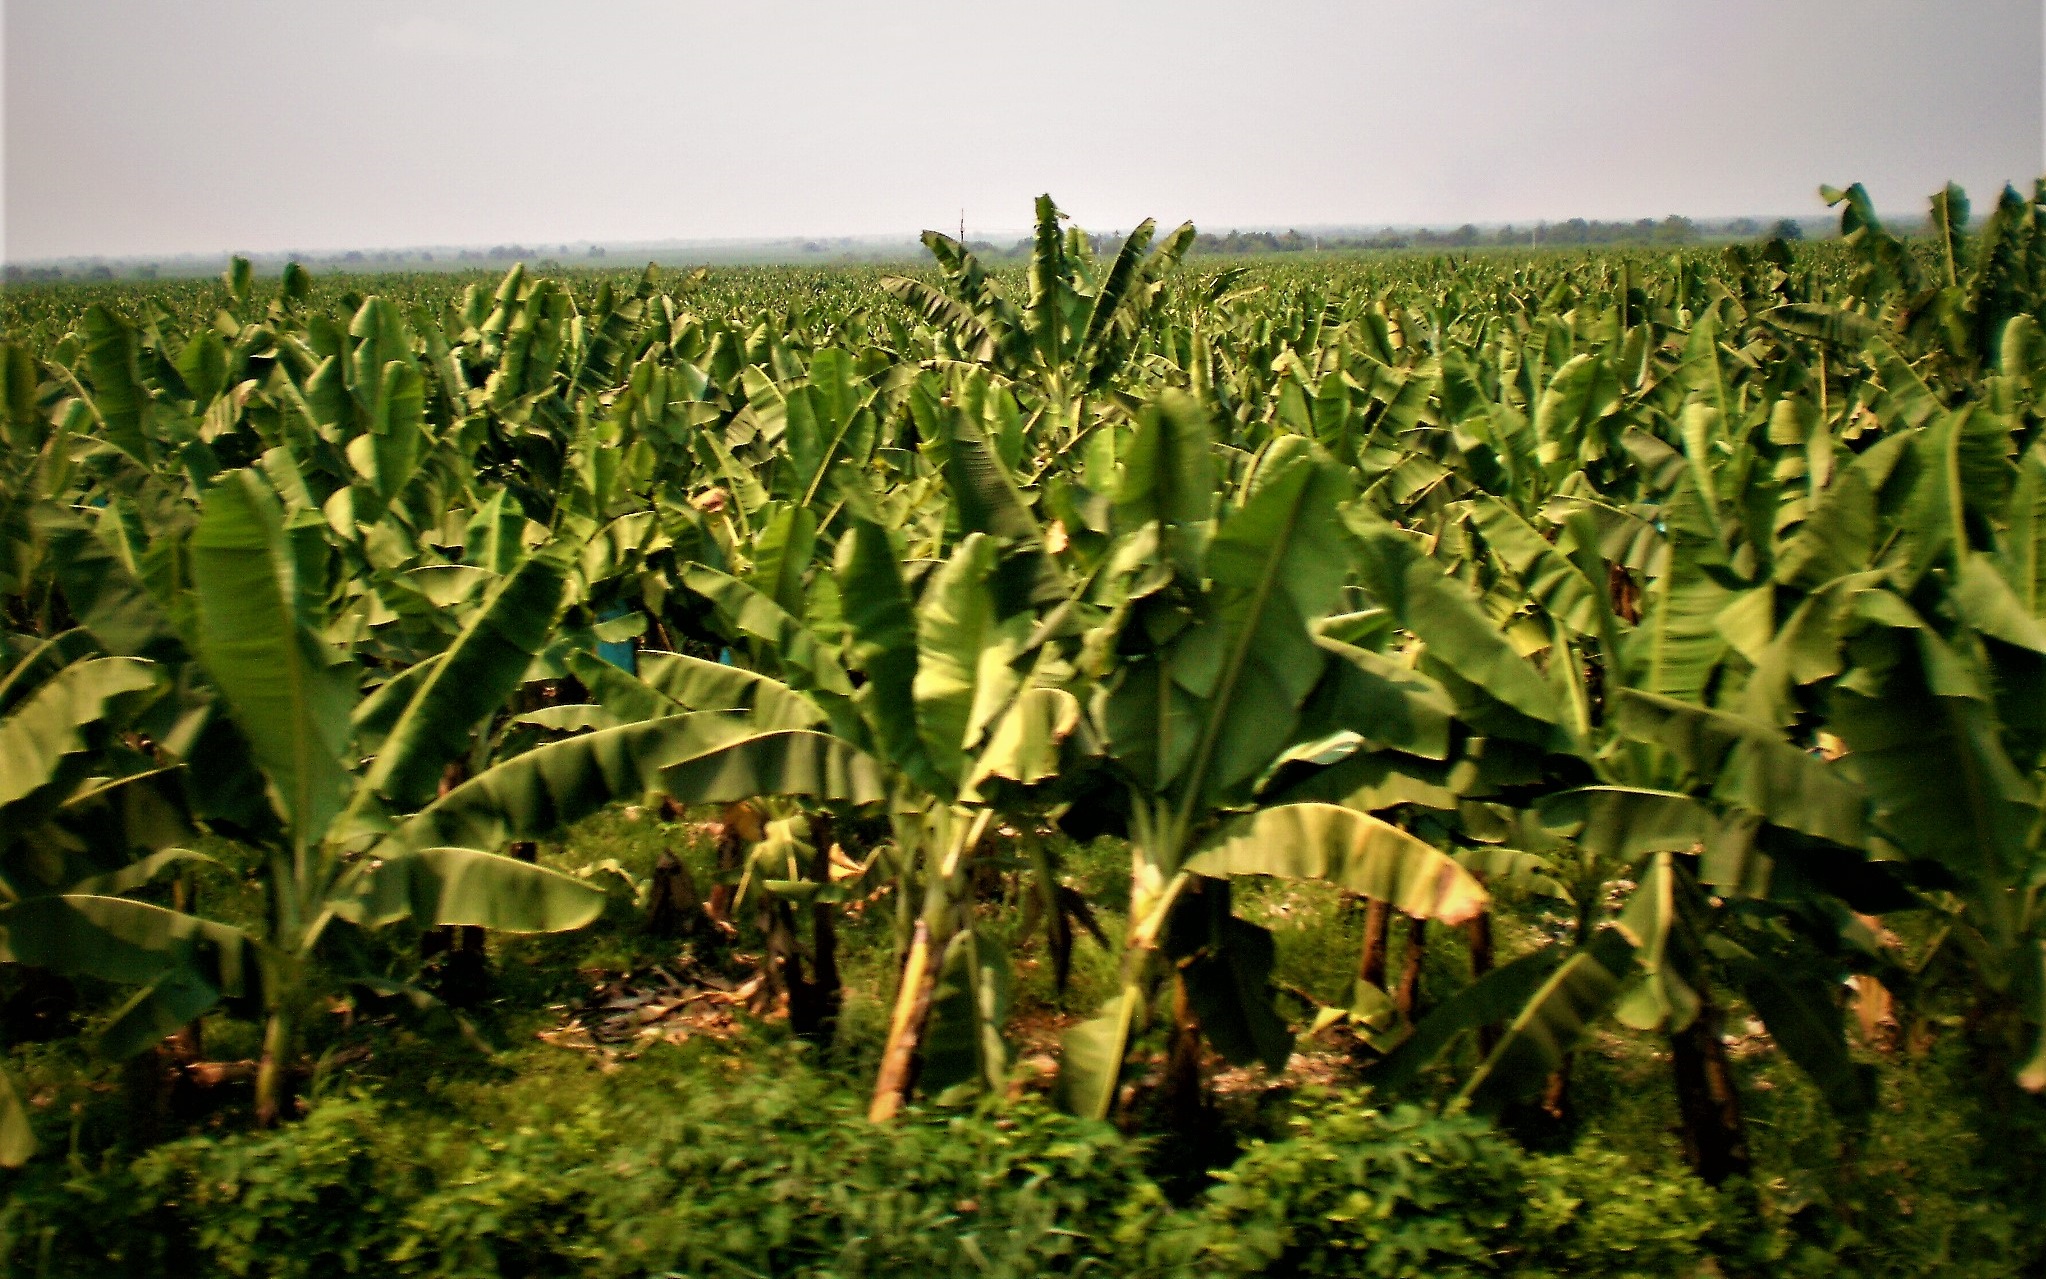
(1940, 1179)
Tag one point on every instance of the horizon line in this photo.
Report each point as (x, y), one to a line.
(909, 239)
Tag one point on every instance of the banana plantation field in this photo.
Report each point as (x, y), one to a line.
(1504, 765)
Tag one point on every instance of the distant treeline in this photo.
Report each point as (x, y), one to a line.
(544, 258)
(1672, 230)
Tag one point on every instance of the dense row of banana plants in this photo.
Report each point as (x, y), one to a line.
(1703, 597)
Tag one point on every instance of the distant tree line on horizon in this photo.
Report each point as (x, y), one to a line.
(1672, 230)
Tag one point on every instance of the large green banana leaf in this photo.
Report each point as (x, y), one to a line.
(1439, 611)
(789, 762)
(782, 554)
(964, 1043)
(1028, 744)
(17, 1138)
(47, 729)
(698, 685)
(1091, 1054)
(255, 576)
(1943, 788)
(113, 354)
(1168, 481)
(1226, 963)
(1749, 766)
(1354, 851)
(1225, 700)
(472, 679)
(1385, 703)
(174, 1000)
(466, 886)
(807, 665)
(544, 789)
(987, 501)
(129, 942)
(965, 651)
(883, 627)
(1497, 997)
(1805, 1018)
(1626, 823)
(1558, 586)
(106, 597)
(1550, 1024)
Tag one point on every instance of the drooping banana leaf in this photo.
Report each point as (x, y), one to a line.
(1091, 1054)
(17, 1138)
(806, 664)
(255, 576)
(789, 762)
(1354, 851)
(1550, 1025)
(699, 685)
(1749, 766)
(474, 676)
(1625, 823)
(534, 794)
(1558, 586)
(883, 625)
(45, 733)
(129, 942)
(166, 1005)
(1658, 998)
(1439, 611)
(964, 1042)
(1804, 1017)
(1226, 965)
(1497, 997)
(467, 886)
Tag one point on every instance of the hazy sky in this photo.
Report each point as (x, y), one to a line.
(137, 127)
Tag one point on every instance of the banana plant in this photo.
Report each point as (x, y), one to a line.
(1204, 668)
(1904, 617)
(951, 705)
(959, 706)
(1679, 797)
(1066, 342)
(83, 811)
(1955, 309)
(961, 711)
(345, 843)
(757, 738)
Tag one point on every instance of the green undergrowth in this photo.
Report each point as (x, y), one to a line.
(751, 1160)
(702, 1162)
(438, 1142)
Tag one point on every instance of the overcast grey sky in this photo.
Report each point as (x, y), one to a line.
(138, 127)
